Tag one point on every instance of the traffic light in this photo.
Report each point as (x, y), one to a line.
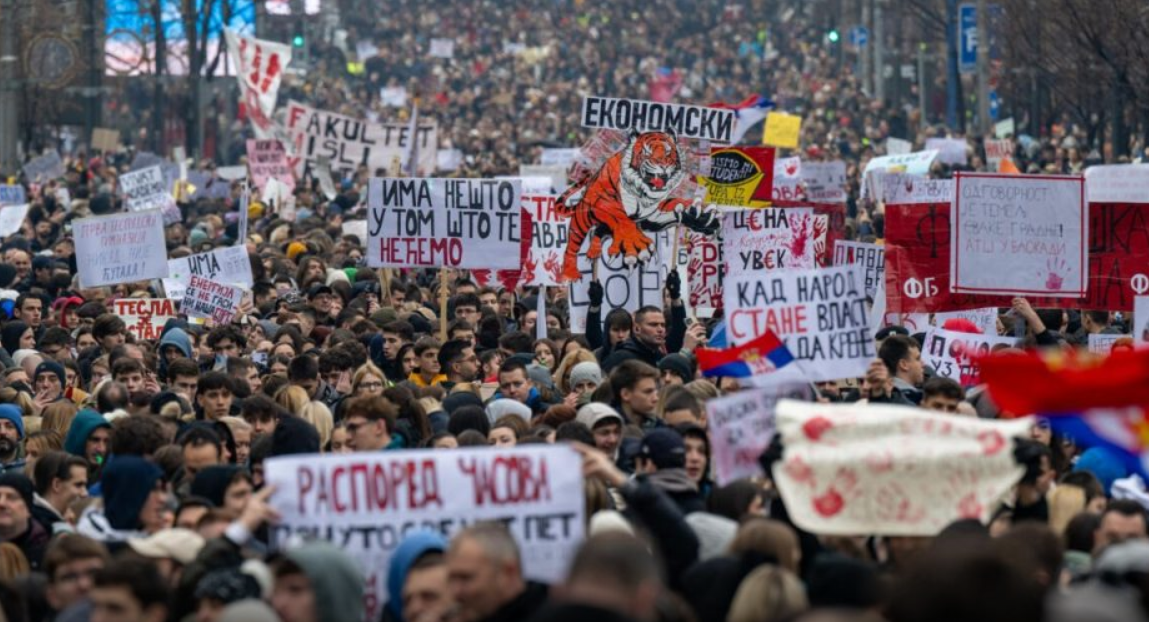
(833, 36)
(297, 41)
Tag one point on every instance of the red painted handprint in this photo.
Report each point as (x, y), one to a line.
(1055, 273)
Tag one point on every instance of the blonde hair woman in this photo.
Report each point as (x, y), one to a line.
(13, 563)
(563, 371)
(57, 417)
(768, 594)
(368, 380)
(318, 415)
(293, 399)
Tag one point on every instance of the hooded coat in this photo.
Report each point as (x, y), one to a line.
(86, 422)
(176, 336)
(335, 579)
(127, 483)
(412, 548)
(10, 336)
(212, 482)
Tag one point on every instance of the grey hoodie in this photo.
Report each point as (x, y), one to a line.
(335, 579)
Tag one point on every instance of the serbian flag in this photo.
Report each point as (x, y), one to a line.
(761, 356)
(1027, 383)
(746, 113)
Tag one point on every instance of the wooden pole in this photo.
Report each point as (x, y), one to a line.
(443, 305)
(385, 295)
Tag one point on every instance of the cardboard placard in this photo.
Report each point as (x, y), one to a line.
(145, 317)
(205, 298)
(120, 248)
(955, 355)
(782, 130)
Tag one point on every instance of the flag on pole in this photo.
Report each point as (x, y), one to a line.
(760, 356)
(259, 69)
(747, 113)
(413, 136)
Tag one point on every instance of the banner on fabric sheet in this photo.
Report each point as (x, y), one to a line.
(267, 159)
(820, 314)
(205, 298)
(1034, 226)
(955, 355)
(740, 176)
(549, 233)
(952, 151)
(623, 287)
(825, 181)
(782, 130)
(917, 163)
(145, 317)
(871, 258)
(788, 180)
(1117, 183)
(700, 122)
(120, 248)
(849, 468)
(259, 69)
(458, 223)
(985, 319)
(705, 270)
(741, 427)
(903, 189)
(229, 265)
(12, 194)
(769, 239)
(349, 142)
(12, 218)
(368, 503)
(146, 189)
(44, 168)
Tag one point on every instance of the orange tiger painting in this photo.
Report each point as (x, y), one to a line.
(628, 196)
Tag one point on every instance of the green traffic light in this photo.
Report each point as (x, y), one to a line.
(297, 41)
(833, 36)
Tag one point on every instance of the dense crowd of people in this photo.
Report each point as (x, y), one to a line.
(132, 481)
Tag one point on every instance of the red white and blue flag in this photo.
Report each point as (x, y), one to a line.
(761, 356)
(746, 113)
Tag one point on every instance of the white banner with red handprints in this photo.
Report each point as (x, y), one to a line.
(260, 65)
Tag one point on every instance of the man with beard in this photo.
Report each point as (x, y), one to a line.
(11, 433)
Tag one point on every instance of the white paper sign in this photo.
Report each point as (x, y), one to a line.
(700, 122)
(870, 257)
(121, 248)
(145, 317)
(906, 189)
(1004, 129)
(624, 288)
(460, 223)
(954, 355)
(898, 146)
(366, 503)
(996, 151)
(950, 150)
(548, 241)
(820, 314)
(985, 319)
(44, 168)
(12, 218)
(1117, 183)
(260, 65)
(267, 159)
(348, 142)
(825, 182)
(788, 179)
(1019, 234)
(394, 96)
(776, 238)
(852, 469)
(12, 194)
(558, 157)
(448, 160)
(741, 427)
(916, 163)
(229, 265)
(146, 189)
(205, 298)
(557, 175)
(1103, 343)
(442, 48)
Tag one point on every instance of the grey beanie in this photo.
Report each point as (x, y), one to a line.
(588, 371)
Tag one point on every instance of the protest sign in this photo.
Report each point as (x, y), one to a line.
(357, 228)
(825, 181)
(146, 189)
(548, 241)
(741, 427)
(460, 223)
(916, 163)
(821, 315)
(259, 69)
(898, 146)
(231, 173)
(349, 142)
(955, 355)
(209, 299)
(703, 123)
(704, 271)
(557, 175)
(788, 180)
(145, 317)
(1004, 129)
(12, 218)
(229, 265)
(623, 287)
(322, 173)
(740, 176)
(871, 258)
(1103, 343)
(12, 194)
(985, 319)
(952, 151)
(1141, 320)
(120, 248)
(1034, 225)
(1117, 183)
(768, 239)
(996, 151)
(902, 188)
(448, 160)
(104, 139)
(394, 96)
(851, 469)
(267, 159)
(532, 185)
(558, 157)
(44, 168)
(782, 130)
(442, 48)
(367, 503)
(509, 278)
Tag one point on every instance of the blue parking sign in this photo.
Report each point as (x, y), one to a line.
(967, 38)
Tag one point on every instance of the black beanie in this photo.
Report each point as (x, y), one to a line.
(21, 484)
